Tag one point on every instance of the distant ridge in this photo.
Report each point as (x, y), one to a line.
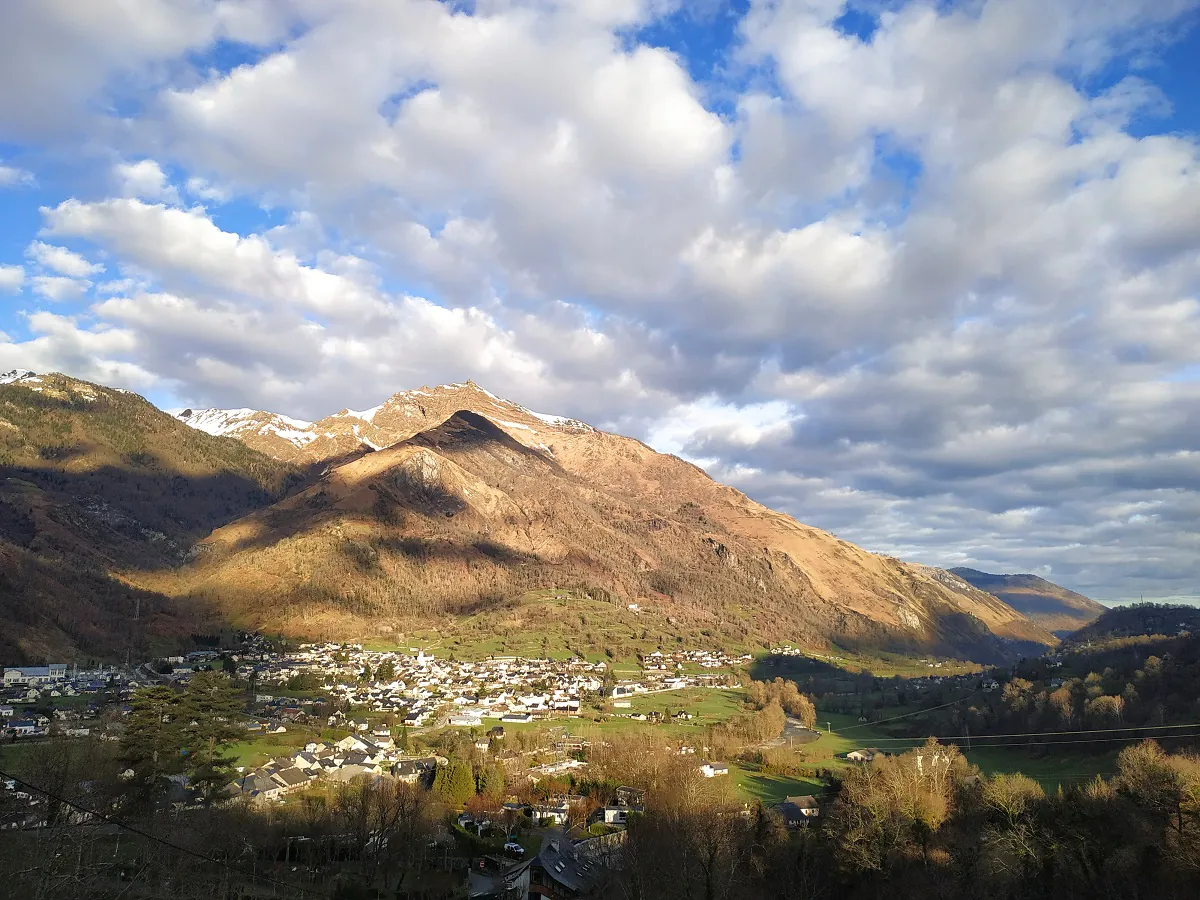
(1048, 604)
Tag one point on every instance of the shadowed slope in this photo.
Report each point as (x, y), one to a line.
(95, 482)
(1053, 607)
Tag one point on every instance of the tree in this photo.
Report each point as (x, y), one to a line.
(402, 744)
(454, 783)
(491, 781)
(150, 741)
(208, 710)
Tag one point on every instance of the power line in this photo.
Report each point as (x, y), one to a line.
(109, 820)
(980, 737)
(906, 715)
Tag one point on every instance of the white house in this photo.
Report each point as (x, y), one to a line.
(714, 769)
(468, 721)
(866, 754)
(35, 676)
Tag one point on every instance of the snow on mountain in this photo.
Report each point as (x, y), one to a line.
(15, 375)
(239, 422)
(397, 418)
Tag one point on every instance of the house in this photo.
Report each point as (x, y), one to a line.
(619, 814)
(562, 869)
(797, 811)
(255, 786)
(714, 769)
(35, 676)
(516, 717)
(413, 770)
(866, 754)
(24, 727)
(555, 812)
(291, 778)
(468, 721)
(683, 715)
(6, 712)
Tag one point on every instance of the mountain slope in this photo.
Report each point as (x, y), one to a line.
(1050, 605)
(495, 502)
(351, 432)
(94, 483)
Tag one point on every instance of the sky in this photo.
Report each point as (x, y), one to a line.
(923, 274)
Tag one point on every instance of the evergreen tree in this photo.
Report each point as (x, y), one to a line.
(491, 781)
(455, 783)
(402, 744)
(208, 710)
(150, 742)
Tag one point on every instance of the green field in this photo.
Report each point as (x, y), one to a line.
(1049, 771)
(752, 785)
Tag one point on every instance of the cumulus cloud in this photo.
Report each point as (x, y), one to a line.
(933, 290)
(11, 278)
(58, 287)
(144, 179)
(61, 260)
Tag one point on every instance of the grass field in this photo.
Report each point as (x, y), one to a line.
(1049, 771)
(753, 785)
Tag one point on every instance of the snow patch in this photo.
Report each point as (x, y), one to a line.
(367, 415)
(560, 421)
(516, 425)
(15, 375)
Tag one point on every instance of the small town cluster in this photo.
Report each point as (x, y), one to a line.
(421, 690)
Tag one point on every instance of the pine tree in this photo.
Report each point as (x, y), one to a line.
(209, 709)
(150, 742)
(491, 781)
(455, 783)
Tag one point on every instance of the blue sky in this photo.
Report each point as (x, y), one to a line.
(922, 274)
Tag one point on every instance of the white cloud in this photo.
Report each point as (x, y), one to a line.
(61, 260)
(11, 176)
(144, 179)
(11, 278)
(58, 288)
(928, 290)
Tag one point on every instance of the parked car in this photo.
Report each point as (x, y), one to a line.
(514, 847)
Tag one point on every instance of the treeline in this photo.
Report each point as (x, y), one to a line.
(926, 824)
(1125, 682)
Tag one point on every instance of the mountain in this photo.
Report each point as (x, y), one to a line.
(350, 433)
(96, 484)
(477, 506)
(1050, 605)
(125, 528)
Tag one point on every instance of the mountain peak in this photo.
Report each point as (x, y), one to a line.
(401, 416)
(16, 375)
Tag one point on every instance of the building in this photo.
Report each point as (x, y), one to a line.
(866, 754)
(35, 676)
(798, 811)
(562, 869)
(714, 769)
